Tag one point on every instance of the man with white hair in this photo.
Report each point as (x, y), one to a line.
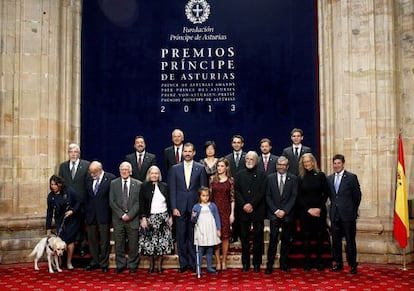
(250, 188)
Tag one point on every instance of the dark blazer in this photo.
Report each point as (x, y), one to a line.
(169, 157)
(182, 198)
(293, 160)
(286, 201)
(148, 160)
(147, 193)
(242, 163)
(346, 202)
(97, 206)
(271, 164)
(78, 183)
(115, 201)
(250, 187)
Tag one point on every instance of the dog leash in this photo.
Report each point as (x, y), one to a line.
(62, 227)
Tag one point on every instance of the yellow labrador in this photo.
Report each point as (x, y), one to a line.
(54, 247)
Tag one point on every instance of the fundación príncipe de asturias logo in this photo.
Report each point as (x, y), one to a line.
(197, 11)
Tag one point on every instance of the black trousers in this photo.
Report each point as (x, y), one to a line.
(258, 241)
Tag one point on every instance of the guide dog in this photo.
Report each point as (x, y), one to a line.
(54, 246)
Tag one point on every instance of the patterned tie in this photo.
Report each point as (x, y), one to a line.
(237, 159)
(187, 174)
(125, 195)
(265, 163)
(177, 156)
(73, 170)
(96, 188)
(281, 185)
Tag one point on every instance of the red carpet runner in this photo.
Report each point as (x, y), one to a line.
(370, 277)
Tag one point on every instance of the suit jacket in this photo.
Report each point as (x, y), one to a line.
(181, 197)
(271, 164)
(293, 160)
(169, 157)
(233, 168)
(115, 201)
(148, 160)
(346, 202)
(147, 193)
(78, 182)
(250, 187)
(97, 206)
(286, 201)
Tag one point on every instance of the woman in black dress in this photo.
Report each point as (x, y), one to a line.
(313, 193)
(63, 207)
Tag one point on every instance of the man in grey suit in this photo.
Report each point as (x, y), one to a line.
(267, 161)
(185, 180)
(75, 171)
(124, 201)
(295, 151)
(280, 208)
(140, 160)
(345, 199)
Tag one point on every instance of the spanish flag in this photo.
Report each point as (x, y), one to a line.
(401, 222)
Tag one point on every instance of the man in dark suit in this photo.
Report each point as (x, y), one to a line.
(173, 154)
(237, 162)
(124, 201)
(345, 199)
(280, 207)
(98, 216)
(184, 181)
(74, 172)
(250, 192)
(267, 161)
(295, 151)
(140, 160)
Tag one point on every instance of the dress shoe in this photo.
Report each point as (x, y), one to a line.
(211, 271)
(182, 269)
(91, 267)
(307, 267)
(105, 270)
(70, 267)
(132, 271)
(268, 271)
(320, 267)
(337, 268)
(354, 269)
(119, 270)
(151, 269)
(256, 268)
(285, 268)
(245, 268)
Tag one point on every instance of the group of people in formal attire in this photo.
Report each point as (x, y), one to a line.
(205, 206)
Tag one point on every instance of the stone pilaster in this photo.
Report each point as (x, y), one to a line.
(40, 105)
(362, 109)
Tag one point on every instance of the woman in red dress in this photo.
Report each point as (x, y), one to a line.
(222, 190)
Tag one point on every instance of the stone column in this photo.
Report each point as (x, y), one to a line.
(361, 108)
(40, 109)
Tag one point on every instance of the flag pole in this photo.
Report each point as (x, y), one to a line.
(404, 267)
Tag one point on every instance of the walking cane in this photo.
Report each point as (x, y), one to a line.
(198, 263)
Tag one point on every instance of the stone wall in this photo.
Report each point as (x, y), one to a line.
(366, 72)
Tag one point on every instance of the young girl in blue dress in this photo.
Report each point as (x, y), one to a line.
(207, 230)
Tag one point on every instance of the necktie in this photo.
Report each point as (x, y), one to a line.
(95, 189)
(237, 159)
(281, 185)
(73, 170)
(265, 163)
(125, 195)
(297, 152)
(337, 182)
(177, 156)
(187, 174)
(140, 161)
